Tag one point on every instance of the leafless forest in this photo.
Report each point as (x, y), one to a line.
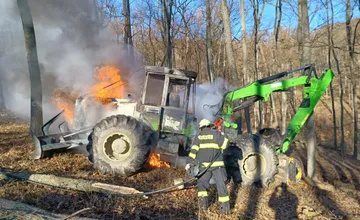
(229, 43)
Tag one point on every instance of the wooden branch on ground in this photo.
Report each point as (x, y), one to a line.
(69, 183)
(17, 210)
(77, 213)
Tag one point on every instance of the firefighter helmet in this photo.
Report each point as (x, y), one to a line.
(204, 123)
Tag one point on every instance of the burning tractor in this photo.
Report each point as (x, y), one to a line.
(163, 122)
(121, 143)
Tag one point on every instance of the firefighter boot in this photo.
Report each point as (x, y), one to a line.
(203, 202)
(225, 207)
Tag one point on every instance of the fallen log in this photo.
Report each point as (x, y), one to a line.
(17, 210)
(69, 183)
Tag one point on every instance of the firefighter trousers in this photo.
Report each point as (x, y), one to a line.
(219, 175)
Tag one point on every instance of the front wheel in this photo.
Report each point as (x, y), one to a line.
(120, 145)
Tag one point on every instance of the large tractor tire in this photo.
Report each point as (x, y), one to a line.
(259, 162)
(120, 145)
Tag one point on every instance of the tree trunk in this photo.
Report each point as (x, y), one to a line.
(284, 106)
(257, 106)
(228, 43)
(209, 42)
(167, 12)
(277, 22)
(127, 28)
(187, 46)
(353, 78)
(303, 32)
(245, 59)
(311, 148)
(329, 66)
(356, 128)
(273, 112)
(28, 212)
(342, 138)
(304, 47)
(36, 120)
(341, 87)
(150, 34)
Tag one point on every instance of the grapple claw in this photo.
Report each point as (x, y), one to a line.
(46, 126)
(37, 153)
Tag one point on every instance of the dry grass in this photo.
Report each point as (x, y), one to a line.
(337, 197)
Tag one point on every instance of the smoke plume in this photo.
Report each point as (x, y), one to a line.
(72, 40)
(208, 99)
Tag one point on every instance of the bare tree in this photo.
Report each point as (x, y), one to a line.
(209, 41)
(304, 39)
(228, 43)
(351, 51)
(341, 87)
(167, 12)
(183, 8)
(36, 120)
(245, 60)
(329, 47)
(284, 107)
(127, 28)
(257, 18)
(277, 22)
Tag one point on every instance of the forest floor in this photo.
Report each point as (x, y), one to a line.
(336, 194)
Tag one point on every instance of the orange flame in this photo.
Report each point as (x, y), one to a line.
(65, 101)
(155, 162)
(108, 75)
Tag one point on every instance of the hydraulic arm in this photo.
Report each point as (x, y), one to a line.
(314, 88)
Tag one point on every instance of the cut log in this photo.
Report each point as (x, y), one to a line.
(17, 210)
(69, 183)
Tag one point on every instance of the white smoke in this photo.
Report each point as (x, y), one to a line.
(68, 50)
(70, 44)
(208, 99)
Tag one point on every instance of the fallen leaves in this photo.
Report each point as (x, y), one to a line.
(253, 202)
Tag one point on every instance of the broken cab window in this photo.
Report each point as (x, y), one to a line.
(154, 89)
(176, 93)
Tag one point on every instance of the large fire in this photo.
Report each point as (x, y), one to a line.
(109, 77)
(65, 100)
(109, 85)
(155, 162)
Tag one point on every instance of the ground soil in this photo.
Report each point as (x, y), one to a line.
(336, 194)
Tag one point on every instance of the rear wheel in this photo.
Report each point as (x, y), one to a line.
(120, 145)
(259, 162)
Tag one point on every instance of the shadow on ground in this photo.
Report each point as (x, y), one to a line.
(284, 203)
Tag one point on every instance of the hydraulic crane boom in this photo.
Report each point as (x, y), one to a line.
(314, 88)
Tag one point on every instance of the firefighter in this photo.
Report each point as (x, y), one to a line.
(207, 145)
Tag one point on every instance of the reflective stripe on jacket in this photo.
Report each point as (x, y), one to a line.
(206, 146)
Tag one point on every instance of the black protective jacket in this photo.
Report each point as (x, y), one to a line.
(206, 146)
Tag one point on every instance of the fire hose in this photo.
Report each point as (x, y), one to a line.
(195, 175)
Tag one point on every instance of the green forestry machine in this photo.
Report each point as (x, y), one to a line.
(162, 121)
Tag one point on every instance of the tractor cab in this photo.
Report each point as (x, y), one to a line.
(165, 103)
